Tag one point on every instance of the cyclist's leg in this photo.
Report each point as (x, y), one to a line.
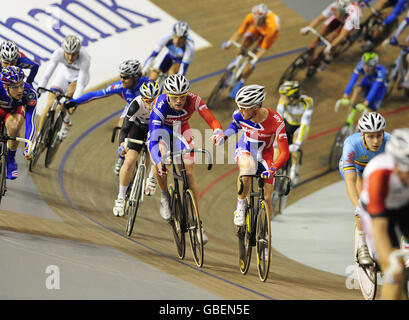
(174, 69)
(13, 122)
(268, 196)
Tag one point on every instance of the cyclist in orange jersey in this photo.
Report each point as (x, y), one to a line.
(261, 26)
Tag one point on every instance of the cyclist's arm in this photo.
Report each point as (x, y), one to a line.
(380, 80)
(160, 45)
(232, 129)
(52, 64)
(305, 122)
(350, 172)
(402, 26)
(282, 142)
(317, 21)
(30, 112)
(397, 10)
(26, 63)
(156, 132)
(341, 36)
(127, 124)
(208, 116)
(83, 78)
(114, 88)
(187, 57)
(354, 78)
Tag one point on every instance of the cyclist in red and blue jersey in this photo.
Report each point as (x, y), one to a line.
(169, 121)
(180, 49)
(11, 56)
(358, 150)
(18, 101)
(127, 88)
(372, 86)
(254, 152)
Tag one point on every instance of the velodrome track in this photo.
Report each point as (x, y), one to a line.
(79, 189)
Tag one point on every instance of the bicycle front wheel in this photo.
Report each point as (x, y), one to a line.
(263, 242)
(244, 235)
(3, 170)
(54, 141)
(336, 150)
(176, 222)
(40, 144)
(217, 90)
(195, 228)
(134, 198)
(367, 275)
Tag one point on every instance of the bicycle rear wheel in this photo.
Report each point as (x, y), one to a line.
(263, 243)
(176, 222)
(244, 234)
(217, 90)
(194, 226)
(336, 150)
(367, 276)
(134, 198)
(3, 169)
(40, 144)
(54, 141)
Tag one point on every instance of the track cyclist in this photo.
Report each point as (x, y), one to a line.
(358, 150)
(131, 79)
(11, 56)
(261, 26)
(340, 14)
(254, 151)
(135, 126)
(169, 121)
(71, 79)
(372, 86)
(384, 203)
(296, 110)
(19, 101)
(177, 57)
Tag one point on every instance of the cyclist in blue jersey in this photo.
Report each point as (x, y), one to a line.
(358, 150)
(398, 7)
(11, 56)
(173, 53)
(18, 101)
(127, 88)
(372, 85)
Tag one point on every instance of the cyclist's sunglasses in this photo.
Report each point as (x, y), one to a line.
(126, 77)
(147, 100)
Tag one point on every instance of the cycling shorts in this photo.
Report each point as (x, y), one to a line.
(138, 132)
(5, 113)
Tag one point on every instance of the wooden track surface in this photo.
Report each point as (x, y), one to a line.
(91, 187)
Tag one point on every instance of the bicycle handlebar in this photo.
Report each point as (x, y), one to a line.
(183, 152)
(127, 140)
(322, 38)
(6, 138)
(258, 176)
(394, 261)
(58, 94)
(250, 53)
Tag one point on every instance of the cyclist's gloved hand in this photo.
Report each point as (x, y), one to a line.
(120, 150)
(226, 45)
(268, 173)
(304, 30)
(360, 107)
(162, 170)
(344, 102)
(28, 155)
(218, 137)
(294, 147)
(70, 104)
(393, 41)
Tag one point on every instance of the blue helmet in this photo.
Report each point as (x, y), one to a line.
(149, 90)
(12, 75)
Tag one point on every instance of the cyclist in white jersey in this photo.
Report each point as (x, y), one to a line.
(71, 79)
(384, 213)
(296, 110)
(173, 53)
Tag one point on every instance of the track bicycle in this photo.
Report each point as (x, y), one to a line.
(280, 193)
(4, 138)
(368, 274)
(305, 60)
(397, 72)
(257, 229)
(346, 130)
(135, 195)
(48, 136)
(184, 213)
(232, 73)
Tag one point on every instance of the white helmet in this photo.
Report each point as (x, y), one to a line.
(259, 11)
(71, 44)
(176, 84)
(131, 67)
(248, 96)
(342, 4)
(372, 122)
(181, 29)
(398, 147)
(9, 51)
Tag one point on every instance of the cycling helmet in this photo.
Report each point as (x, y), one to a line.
(290, 89)
(372, 122)
(71, 44)
(398, 147)
(9, 51)
(149, 90)
(12, 75)
(259, 11)
(176, 84)
(370, 59)
(342, 5)
(131, 67)
(248, 96)
(181, 29)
